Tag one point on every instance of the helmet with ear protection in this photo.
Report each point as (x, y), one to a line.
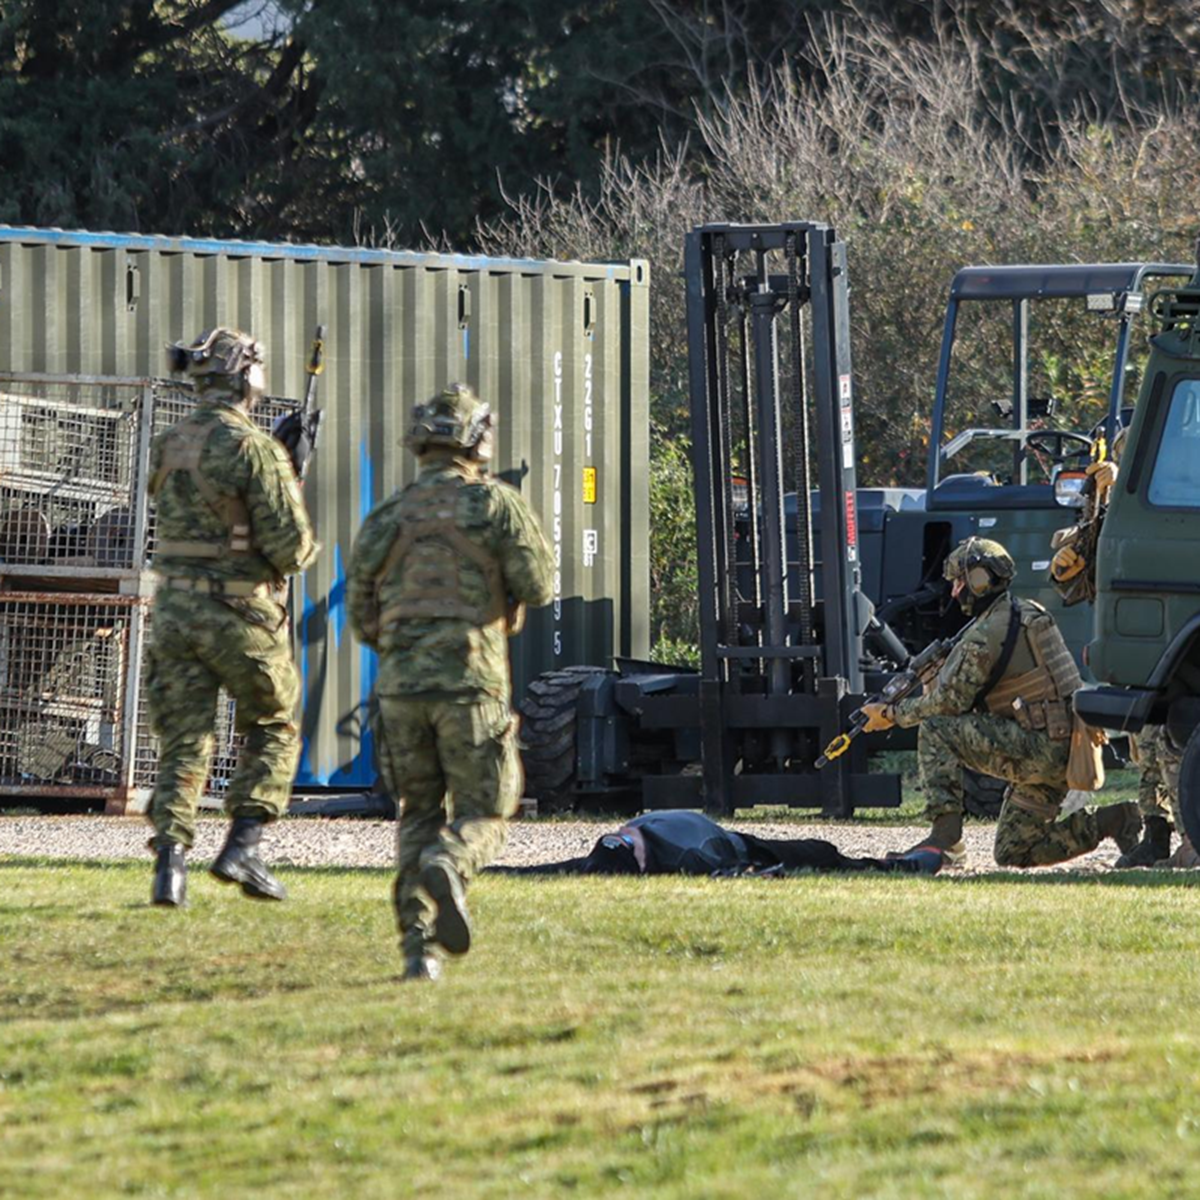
(984, 566)
(221, 360)
(455, 418)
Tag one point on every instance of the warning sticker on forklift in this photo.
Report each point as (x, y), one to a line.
(847, 422)
(589, 485)
(851, 528)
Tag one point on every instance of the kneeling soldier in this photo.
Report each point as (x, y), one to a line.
(1001, 705)
(437, 577)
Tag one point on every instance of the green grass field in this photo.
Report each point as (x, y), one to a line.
(836, 1036)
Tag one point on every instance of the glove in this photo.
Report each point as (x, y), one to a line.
(1066, 564)
(879, 717)
(1104, 475)
(293, 432)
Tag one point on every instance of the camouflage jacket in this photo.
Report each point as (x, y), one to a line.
(447, 654)
(242, 461)
(969, 665)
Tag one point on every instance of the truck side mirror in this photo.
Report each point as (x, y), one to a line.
(1068, 488)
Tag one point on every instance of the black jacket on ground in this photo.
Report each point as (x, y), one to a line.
(688, 843)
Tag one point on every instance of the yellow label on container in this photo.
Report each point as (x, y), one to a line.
(589, 485)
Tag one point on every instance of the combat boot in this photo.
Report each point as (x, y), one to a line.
(1122, 823)
(452, 931)
(946, 836)
(238, 861)
(1154, 846)
(170, 877)
(421, 967)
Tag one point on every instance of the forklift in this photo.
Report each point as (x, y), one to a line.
(783, 630)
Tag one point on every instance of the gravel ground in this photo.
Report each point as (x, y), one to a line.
(312, 842)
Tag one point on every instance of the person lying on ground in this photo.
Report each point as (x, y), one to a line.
(689, 843)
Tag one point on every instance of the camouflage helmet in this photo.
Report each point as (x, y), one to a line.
(221, 359)
(455, 418)
(219, 351)
(983, 565)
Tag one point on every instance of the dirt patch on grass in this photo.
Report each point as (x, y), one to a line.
(863, 1082)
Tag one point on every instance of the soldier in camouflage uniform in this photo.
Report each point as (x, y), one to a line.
(1001, 705)
(1154, 800)
(231, 527)
(1169, 760)
(437, 577)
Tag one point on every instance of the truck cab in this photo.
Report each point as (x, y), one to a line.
(1037, 361)
(1145, 643)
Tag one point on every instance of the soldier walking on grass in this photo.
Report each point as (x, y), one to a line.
(438, 577)
(1001, 705)
(231, 527)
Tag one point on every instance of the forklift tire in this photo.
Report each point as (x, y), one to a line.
(983, 795)
(548, 725)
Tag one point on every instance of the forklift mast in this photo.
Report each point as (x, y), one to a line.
(769, 350)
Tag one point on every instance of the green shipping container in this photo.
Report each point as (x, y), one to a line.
(560, 349)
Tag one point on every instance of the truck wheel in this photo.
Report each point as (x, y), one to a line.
(983, 795)
(1189, 787)
(548, 726)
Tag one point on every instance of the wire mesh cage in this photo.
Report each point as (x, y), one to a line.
(68, 469)
(74, 462)
(64, 686)
(73, 717)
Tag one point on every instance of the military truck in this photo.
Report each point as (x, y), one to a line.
(1144, 647)
(1036, 363)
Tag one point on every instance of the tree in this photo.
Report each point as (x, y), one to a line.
(148, 114)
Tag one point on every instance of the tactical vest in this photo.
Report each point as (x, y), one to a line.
(1041, 677)
(182, 447)
(426, 560)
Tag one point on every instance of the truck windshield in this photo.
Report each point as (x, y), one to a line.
(1175, 480)
(1068, 359)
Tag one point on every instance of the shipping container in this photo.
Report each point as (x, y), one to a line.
(560, 350)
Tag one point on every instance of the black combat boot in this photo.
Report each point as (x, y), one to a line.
(1122, 823)
(1154, 846)
(421, 968)
(445, 887)
(238, 861)
(170, 877)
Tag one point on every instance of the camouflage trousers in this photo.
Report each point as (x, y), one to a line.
(1156, 759)
(455, 774)
(1169, 761)
(1029, 832)
(201, 645)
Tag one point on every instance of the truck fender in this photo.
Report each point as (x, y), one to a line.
(1174, 653)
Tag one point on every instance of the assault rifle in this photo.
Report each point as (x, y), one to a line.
(298, 431)
(917, 671)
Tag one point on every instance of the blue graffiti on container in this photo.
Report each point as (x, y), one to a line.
(363, 769)
(337, 598)
(305, 772)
